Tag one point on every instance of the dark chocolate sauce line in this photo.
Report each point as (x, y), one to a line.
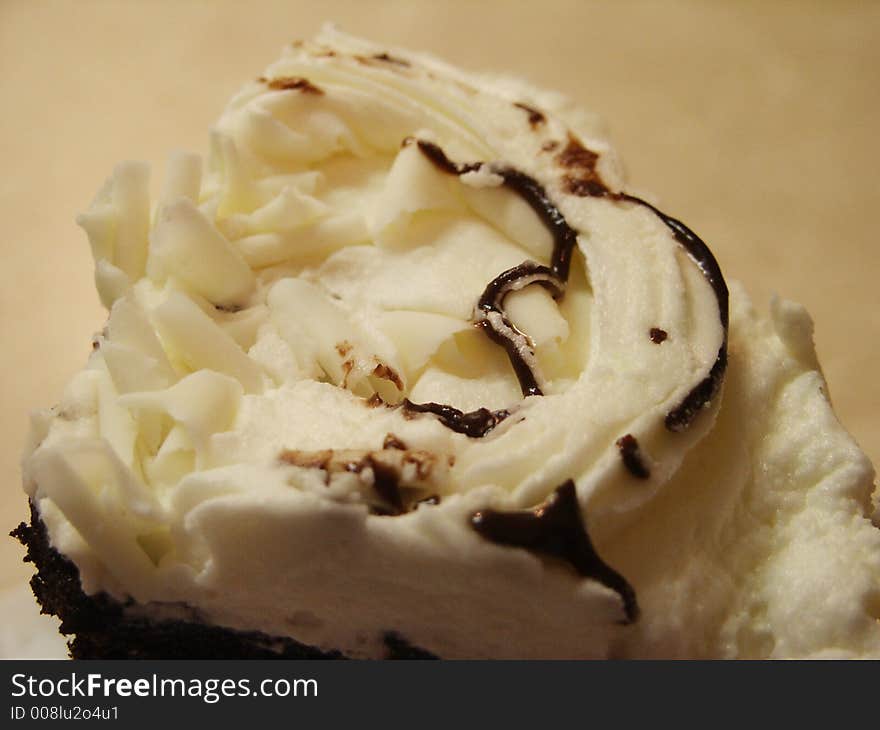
(531, 191)
(696, 248)
(517, 278)
(502, 331)
(512, 344)
(474, 424)
(556, 528)
(680, 417)
(564, 236)
(564, 241)
(536, 117)
(499, 329)
(438, 157)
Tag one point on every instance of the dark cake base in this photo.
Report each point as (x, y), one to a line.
(102, 629)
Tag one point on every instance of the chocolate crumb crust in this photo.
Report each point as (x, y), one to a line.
(102, 629)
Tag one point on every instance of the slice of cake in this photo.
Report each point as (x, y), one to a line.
(403, 370)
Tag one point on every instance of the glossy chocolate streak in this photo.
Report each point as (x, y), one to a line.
(436, 155)
(500, 329)
(536, 117)
(556, 528)
(588, 183)
(475, 424)
(695, 247)
(528, 383)
(517, 278)
(679, 418)
(533, 193)
(583, 161)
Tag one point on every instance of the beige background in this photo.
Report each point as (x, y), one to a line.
(755, 122)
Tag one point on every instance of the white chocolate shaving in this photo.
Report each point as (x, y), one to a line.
(199, 343)
(185, 244)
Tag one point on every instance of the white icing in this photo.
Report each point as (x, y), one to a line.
(315, 262)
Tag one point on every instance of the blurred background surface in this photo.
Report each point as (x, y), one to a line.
(755, 122)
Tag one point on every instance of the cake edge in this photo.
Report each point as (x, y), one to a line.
(102, 628)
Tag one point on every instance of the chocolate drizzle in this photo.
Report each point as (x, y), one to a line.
(556, 528)
(290, 83)
(564, 236)
(393, 476)
(631, 454)
(582, 179)
(680, 417)
(438, 157)
(489, 312)
(536, 117)
(495, 323)
(697, 250)
(475, 424)
(657, 335)
(532, 192)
